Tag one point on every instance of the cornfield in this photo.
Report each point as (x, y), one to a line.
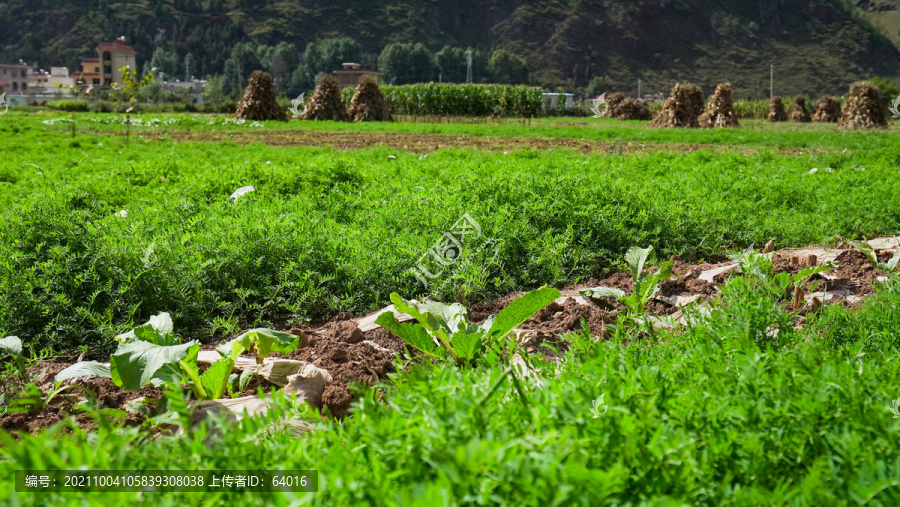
(464, 100)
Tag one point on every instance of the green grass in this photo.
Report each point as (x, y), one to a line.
(334, 231)
(720, 413)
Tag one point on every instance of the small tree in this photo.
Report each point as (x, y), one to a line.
(507, 68)
(128, 92)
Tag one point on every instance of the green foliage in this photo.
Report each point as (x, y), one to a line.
(406, 63)
(507, 68)
(888, 89)
(646, 285)
(445, 330)
(68, 105)
(464, 100)
(261, 342)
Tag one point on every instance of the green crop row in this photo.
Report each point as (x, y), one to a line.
(721, 413)
(329, 231)
(464, 100)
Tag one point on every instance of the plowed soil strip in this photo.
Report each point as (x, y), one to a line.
(424, 143)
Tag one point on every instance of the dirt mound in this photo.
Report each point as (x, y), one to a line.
(326, 103)
(720, 112)
(863, 109)
(776, 110)
(259, 100)
(368, 103)
(620, 107)
(681, 109)
(798, 112)
(828, 110)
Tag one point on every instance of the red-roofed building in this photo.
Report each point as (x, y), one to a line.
(107, 68)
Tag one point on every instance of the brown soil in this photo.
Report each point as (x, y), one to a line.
(423, 143)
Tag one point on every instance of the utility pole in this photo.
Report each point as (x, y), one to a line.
(771, 80)
(469, 66)
(639, 88)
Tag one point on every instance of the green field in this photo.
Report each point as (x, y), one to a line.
(718, 412)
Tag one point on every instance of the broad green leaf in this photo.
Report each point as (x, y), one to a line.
(413, 334)
(12, 345)
(466, 345)
(603, 291)
(244, 379)
(141, 405)
(867, 250)
(432, 314)
(892, 264)
(84, 369)
(135, 363)
(159, 330)
(521, 310)
(635, 257)
(215, 378)
(266, 341)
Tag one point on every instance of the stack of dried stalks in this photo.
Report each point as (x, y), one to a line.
(368, 102)
(798, 112)
(828, 110)
(863, 109)
(326, 103)
(720, 112)
(776, 110)
(259, 100)
(681, 109)
(620, 107)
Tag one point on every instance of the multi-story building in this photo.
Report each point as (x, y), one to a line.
(14, 78)
(351, 73)
(106, 69)
(56, 81)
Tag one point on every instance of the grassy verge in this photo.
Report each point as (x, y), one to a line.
(333, 231)
(722, 412)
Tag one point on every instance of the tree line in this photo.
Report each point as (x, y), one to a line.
(294, 72)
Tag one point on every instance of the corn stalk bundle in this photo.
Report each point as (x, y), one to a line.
(259, 100)
(620, 107)
(326, 103)
(828, 110)
(863, 109)
(776, 110)
(368, 103)
(682, 108)
(720, 112)
(798, 112)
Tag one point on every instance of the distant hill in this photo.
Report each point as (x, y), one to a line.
(816, 46)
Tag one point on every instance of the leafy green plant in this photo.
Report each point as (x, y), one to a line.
(12, 345)
(445, 331)
(646, 285)
(781, 285)
(152, 354)
(262, 342)
(869, 252)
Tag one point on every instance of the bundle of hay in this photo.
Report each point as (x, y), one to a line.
(776, 110)
(798, 112)
(326, 103)
(720, 112)
(863, 109)
(828, 110)
(620, 107)
(259, 100)
(681, 109)
(368, 103)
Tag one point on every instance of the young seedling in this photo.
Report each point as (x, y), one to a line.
(445, 331)
(760, 266)
(646, 285)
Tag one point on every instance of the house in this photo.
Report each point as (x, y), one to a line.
(351, 73)
(56, 81)
(14, 78)
(106, 69)
(550, 100)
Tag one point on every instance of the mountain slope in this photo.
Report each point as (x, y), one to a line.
(816, 46)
